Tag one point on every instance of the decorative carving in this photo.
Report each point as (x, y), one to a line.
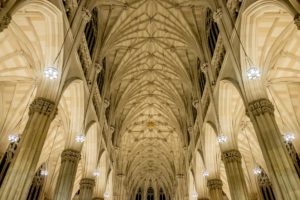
(106, 103)
(98, 67)
(84, 56)
(42, 106)
(196, 103)
(190, 130)
(5, 21)
(87, 183)
(204, 68)
(86, 15)
(231, 156)
(180, 176)
(260, 107)
(70, 155)
(213, 184)
(297, 21)
(218, 15)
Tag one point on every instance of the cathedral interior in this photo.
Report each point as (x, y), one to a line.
(149, 100)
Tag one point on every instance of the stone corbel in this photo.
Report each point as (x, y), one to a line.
(297, 21)
(5, 21)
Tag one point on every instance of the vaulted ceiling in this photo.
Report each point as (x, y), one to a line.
(152, 50)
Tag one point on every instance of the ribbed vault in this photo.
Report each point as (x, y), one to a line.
(151, 49)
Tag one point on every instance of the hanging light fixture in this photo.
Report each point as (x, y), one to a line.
(257, 170)
(80, 138)
(289, 137)
(205, 173)
(13, 138)
(106, 195)
(222, 138)
(44, 172)
(195, 194)
(51, 72)
(96, 173)
(253, 73)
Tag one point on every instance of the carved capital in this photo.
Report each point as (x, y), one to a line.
(204, 67)
(87, 183)
(297, 21)
(106, 103)
(180, 176)
(196, 103)
(86, 15)
(218, 15)
(98, 67)
(70, 155)
(5, 21)
(214, 184)
(231, 156)
(260, 107)
(42, 106)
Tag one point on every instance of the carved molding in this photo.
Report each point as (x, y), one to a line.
(218, 15)
(297, 21)
(231, 156)
(213, 184)
(5, 21)
(87, 183)
(42, 106)
(70, 155)
(260, 107)
(86, 15)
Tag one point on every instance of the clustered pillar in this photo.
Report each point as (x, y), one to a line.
(282, 172)
(67, 174)
(215, 189)
(19, 177)
(236, 180)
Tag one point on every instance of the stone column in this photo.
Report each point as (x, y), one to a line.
(86, 188)
(235, 176)
(22, 169)
(67, 174)
(284, 178)
(215, 189)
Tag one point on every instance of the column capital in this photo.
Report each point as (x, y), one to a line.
(87, 182)
(5, 21)
(218, 15)
(297, 21)
(204, 67)
(260, 107)
(86, 15)
(70, 155)
(231, 156)
(214, 184)
(43, 106)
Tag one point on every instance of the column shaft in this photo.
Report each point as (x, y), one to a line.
(86, 188)
(282, 172)
(215, 189)
(67, 174)
(21, 172)
(235, 175)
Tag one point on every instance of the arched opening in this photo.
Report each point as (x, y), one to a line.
(150, 193)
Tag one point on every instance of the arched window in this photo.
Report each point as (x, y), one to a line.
(37, 184)
(265, 186)
(91, 31)
(162, 195)
(212, 31)
(150, 194)
(294, 155)
(7, 158)
(138, 196)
